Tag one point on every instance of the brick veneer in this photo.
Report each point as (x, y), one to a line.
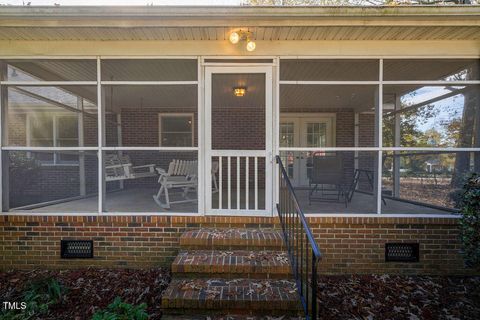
(349, 244)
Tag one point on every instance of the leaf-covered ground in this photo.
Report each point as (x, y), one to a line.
(399, 297)
(340, 297)
(91, 289)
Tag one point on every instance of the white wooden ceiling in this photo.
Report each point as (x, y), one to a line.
(259, 33)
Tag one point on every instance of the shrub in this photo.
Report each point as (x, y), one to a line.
(119, 310)
(470, 221)
(39, 297)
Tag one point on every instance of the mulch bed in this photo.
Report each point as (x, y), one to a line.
(340, 297)
(399, 297)
(93, 289)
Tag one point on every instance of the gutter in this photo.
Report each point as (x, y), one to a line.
(214, 16)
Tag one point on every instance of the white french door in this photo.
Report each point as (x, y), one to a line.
(238, 140)
(304, 131)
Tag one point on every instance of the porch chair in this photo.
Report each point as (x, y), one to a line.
(119, 167)
(326, 179)
(181, 174)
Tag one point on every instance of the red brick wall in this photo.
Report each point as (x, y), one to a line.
(17, 129)
(140, 126)
(239, 128)
(348, 244)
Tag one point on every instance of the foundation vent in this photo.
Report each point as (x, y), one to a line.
(76, 249)
(402, 252)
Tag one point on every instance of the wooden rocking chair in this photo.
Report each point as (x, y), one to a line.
(120, 167)
(181, 174)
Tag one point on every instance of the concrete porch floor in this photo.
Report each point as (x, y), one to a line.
(140, 200)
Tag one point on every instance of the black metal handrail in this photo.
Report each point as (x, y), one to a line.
(302, 248)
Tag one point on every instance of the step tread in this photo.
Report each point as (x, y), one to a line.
(241, 293)
(230, 317)
(233, 237)
(235, 261)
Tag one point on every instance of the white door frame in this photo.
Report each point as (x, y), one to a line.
(268, 153)
(300, 120)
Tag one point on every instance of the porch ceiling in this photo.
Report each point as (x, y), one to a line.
(215, 23)
(222, 33)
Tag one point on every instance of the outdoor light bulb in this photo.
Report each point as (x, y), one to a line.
(239, 92)
(234, 37)
(251, 46)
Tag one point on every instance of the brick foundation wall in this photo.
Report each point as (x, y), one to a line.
(349, 244)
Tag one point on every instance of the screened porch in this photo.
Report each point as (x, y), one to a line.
(357, 136)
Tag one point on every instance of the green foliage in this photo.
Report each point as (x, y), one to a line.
(470, 221)
(119, 310)
(39, 297)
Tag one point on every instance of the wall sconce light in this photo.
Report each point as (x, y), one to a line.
(237, 36)
(239, 91)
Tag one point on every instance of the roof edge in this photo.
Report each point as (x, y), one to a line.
(235, 11)
(241, 16)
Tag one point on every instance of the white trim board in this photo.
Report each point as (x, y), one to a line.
(267, 154)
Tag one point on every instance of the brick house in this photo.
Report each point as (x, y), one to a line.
(383, 90)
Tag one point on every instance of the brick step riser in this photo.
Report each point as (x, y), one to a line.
(245, 239)
(205, 275)
(219, 246)
(229, 310)
(229, 316)
(235, 271)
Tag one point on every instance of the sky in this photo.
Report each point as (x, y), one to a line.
(120, 2)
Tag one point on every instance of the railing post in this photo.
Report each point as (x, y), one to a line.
(295, 228)
(314, 289)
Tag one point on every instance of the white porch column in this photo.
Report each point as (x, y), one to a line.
(4, 159)
(119, 141)
(101, 141)
(376, 172)
(396, 143)
(356, 133)
(81, 143)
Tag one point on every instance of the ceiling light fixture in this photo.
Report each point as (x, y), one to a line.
(251, 46)
(234, 37)
(237, 36)
(239, 91)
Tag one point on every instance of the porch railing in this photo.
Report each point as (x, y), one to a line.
(303, 251)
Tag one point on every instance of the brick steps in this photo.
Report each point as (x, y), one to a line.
(245, 239)
(242, 296)
(231, 271)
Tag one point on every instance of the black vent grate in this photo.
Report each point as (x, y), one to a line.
(76, 249)
(402, 252)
